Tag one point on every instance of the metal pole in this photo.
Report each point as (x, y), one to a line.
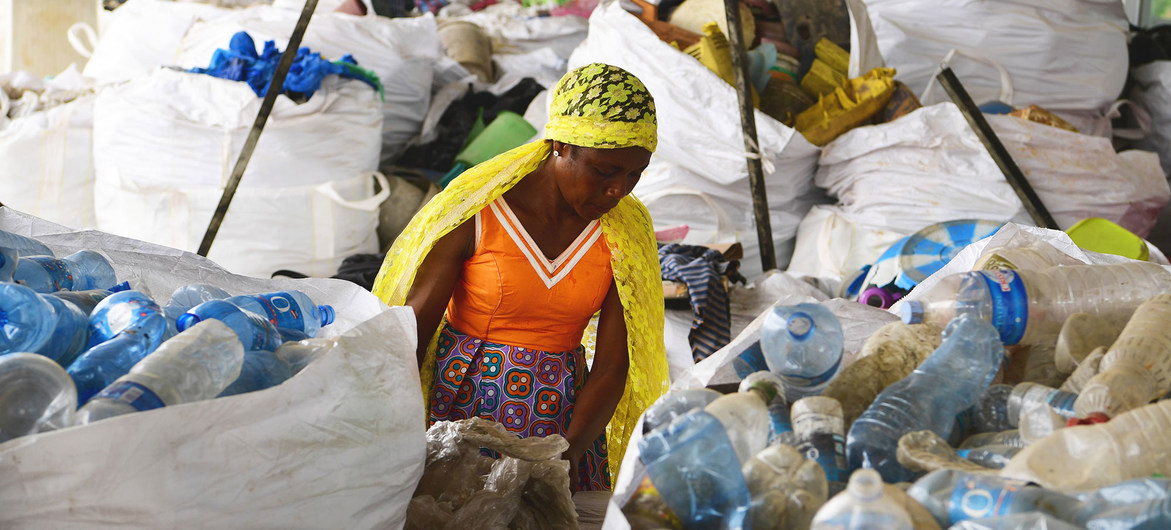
(1012, 173)
(764, 229)
(274, 89)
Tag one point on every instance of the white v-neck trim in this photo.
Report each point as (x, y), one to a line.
(550, 271)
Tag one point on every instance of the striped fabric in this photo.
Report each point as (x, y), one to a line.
(700, 268)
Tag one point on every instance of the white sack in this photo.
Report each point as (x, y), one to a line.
(142, 35)
(46, 163)
(1064, 55)
(341, 444)
(1152, 92)
(833, 245)
(701, 153)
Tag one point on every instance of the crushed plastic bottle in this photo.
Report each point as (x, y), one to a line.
(186, 297)
(1029, 307)
(1085, 371)
(124, 328)
(24, 246)
(925, 451)
(930, 398)
(87, 300)
(37, 323)
(694, 466)
(745, 416)
(120, 311)
(255, 332)
(862, 506)
(289, 311)
(991, 413)
(1059, 401)
(80, 271)
(1137, 367)
(37, 395)
(299, 354)
(787, 489)
(821, 437)
(1133, 445)
(261, 370)
(803, 345)
(195, 365)
(674, 404)
(1081, 334)
(953, 496)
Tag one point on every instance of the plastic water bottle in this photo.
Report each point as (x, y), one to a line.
(780, 424)
(989, 456)
(36, 323)
(1137, 367)
(79, 271)
(37, 395)
(692, 463)
(8, 259)
(745, 416)
(70, 332)
(1133, 445)
(787, 489)
(821, 437)
(803, 345)
(195, 365)
(1011, 438)
(1022, 394)
(186, 297)
(261, 369)
(299, 354)
(124, 328)
(124, 310)
(949, 381)
(87, 300)
(953, 496)
(673, 404)
(1029, 307)
(24, 246)
(1142, 503)
(990, 413)
(863, 506)
(254, 331)
(288, 310)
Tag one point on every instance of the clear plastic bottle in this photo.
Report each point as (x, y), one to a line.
(989, 456)
(1029, 307)
(949, 381)
(23, 245)
(821, 437)
(1137, 367)
(990, 413)
(695, 468)
(953, 496)
(37, 395)
(1011, 437)
(1141, 503)
(261, 369)
(37, 323)
(803, 345)
(87, 300)
(1060, 401)
(862, 506)
(195, 365)
(787, 489)
(254, 331)
(70, 332)
(79, 271)
(124, 328)
(8, 260)
(1133, 445)
(672, 405)
(780, 423)
(745, 416)
(186, 297)
(123, 310)
(290, 310)
(299, 354)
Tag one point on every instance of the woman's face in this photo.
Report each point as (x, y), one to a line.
(592, 180)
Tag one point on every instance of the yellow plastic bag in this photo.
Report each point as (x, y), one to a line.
(846, 107)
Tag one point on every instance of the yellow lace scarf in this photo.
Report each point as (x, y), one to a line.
(634, 259)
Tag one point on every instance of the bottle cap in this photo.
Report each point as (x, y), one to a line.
(865, 484)
(800, 325)
(912, 312)
(124, 286)
(186, 320)
(1094, 417)
(327, 314)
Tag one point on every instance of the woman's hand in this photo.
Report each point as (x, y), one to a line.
(573, 456)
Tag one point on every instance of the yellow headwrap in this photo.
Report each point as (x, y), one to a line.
(600, 106)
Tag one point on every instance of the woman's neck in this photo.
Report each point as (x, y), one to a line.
(538, 196)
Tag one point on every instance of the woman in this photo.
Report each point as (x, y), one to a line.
(500, 323)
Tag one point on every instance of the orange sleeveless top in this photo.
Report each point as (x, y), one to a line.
(510, 293)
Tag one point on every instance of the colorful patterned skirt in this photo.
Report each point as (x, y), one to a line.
(530, 392)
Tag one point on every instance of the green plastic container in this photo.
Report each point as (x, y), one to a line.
(509, 130)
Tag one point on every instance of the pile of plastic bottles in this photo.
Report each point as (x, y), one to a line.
(77, 347)
(1043, 404)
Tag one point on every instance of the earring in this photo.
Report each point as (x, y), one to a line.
(556, 153)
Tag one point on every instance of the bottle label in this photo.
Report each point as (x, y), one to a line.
(1062, 402)
(828, 450)
(802, 381)
(282, 310)
(58, 273)
(975, 497)
(133, 394)
(1010, 304)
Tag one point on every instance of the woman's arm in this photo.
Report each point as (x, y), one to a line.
(597, 400)
(435, 282)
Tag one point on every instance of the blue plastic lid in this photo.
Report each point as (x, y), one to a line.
(186, 320)
(800, 325)
(327, 314)
(124, 286)
(912, 312)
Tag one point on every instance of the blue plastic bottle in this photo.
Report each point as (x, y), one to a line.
(123, 310)
(7, 264)
(79, 271)
(953, 496)
(693, 465)
(262, 369)
(949, 381)
(87, 300)
(124, 328)
(802, 344)
(186, 297)
(254, 331)
(288, 310)
(26, 319)
(780, 428)
(70, 332)
(24, 246)
(674, 404)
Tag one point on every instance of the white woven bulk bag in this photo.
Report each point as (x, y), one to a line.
(1152, 92)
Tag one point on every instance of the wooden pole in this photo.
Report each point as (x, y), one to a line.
(764, 230)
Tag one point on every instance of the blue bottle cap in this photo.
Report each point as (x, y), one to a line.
(327, 314)
(124, 286)
(912, 312)
(186, 320)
